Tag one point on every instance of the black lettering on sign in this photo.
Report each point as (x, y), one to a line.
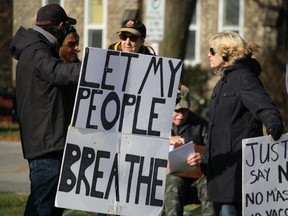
(108, 70)
(253, 154)
(128, 100)
(132, 159)
(144, 180)
(77, 179)
(135, 130)
(111, 97)
(114, 176)
(154, 115)
(130, 56)
(283, 173)
(98, 174)
(83, 82)
(159, 163)
(88, 156)
(253, 198)
(92, 108)
(173, 74)
(155, 65)
(83, 93)
(68, 179)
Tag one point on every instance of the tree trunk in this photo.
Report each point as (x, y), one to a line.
(177, 20)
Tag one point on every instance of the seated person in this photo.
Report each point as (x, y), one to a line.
(186, 126)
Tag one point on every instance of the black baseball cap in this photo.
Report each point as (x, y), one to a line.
(133, 26)
(53, 14)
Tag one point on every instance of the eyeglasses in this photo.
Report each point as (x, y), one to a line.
(212, 51)
(132, 38)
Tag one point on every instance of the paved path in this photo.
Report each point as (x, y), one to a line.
(14, 175)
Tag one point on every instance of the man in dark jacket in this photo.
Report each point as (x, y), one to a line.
(132, 36)
(186, 127)
(41, 77)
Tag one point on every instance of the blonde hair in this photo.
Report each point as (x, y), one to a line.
(232, 46)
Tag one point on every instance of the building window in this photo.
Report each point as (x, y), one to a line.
(192, 55)
(95, 22)
(231, 15)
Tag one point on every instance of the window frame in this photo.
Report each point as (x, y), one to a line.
(88, 26)
(197, 28)
(238, 28)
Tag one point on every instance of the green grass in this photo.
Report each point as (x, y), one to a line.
(13, 204)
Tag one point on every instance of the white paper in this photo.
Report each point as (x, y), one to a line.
(178, 158)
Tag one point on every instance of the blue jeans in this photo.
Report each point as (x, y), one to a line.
(228, 209)
(44, 174)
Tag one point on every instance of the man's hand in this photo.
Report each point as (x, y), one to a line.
(177, 140)
(194, 159)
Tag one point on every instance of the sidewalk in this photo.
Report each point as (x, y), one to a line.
(14, 175)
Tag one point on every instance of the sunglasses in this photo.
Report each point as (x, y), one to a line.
(181, 111)
(72, 44)
(212, 51)
(132, 38)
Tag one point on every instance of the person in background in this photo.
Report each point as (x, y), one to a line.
(132, 36)
(70, 47)
(41, 77)
(69, 53)
(186, 127)
(239, 105)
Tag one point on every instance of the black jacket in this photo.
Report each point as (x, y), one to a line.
(41, 79)
(195, 128)
(239, 105)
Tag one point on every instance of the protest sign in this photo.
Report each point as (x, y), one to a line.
(265, 176)
(117, 145)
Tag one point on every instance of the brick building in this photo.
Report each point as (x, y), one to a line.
(258, 20)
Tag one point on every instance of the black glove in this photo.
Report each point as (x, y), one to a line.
(276, 131)
(204, 168)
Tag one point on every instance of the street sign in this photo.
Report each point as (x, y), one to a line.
(155, 15)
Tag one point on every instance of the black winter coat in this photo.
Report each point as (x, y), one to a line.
(41, 79)
(238, 107)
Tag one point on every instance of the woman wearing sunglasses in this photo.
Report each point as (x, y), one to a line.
(238, 107)
(132, 38)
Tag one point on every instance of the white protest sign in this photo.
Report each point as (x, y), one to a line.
(265, 176)
(117, 146)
